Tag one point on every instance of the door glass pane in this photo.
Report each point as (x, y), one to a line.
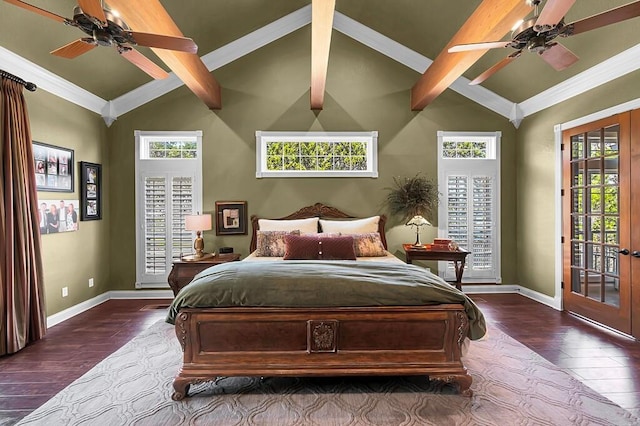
(577, 146)
(594, 287)
(595, 200)
(612, 291)
(611, 230)
(577, 253)
(592, 256)
(577, 281)
(578, 200)
(595, 225)
(610, 199)
(578, 228)
(577, 171)
(594, 171)
(611, 137)
(611, 260)
(594, 144)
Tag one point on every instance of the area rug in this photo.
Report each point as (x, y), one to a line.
(512, 386)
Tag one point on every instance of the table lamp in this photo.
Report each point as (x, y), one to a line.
(418, 221)
(198, 223)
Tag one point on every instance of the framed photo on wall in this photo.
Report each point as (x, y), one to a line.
(231, 217)
(53, 166)
(90, 191)
(56, 216)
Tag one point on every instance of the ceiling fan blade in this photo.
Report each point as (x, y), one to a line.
(497, 67)
(182, 44)
(479, 46)
(144, 63)
(553, 12)
(93, 8)
(559, 57)
(73, 49)
(37, 10)
(609, 17)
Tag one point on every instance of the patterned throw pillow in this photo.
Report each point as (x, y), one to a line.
(271, 243)
(368, 245)
(308, 247)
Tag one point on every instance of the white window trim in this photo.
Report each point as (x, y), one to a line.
(263, 137)
(451, 165)
(159, 166)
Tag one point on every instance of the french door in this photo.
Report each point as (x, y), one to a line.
(601, 221)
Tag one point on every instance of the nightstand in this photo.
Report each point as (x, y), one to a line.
(183, 272)
(458, 257)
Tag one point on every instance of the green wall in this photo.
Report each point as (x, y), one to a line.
(536, 178)
(71, 258)
(269, 90)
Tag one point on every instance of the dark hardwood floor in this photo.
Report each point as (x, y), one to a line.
(603, 360)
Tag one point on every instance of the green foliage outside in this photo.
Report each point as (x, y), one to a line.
(316, 156)
(168, 149)
(454, 149)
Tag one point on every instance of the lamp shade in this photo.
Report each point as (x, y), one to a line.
(197, 222)
(418, 221)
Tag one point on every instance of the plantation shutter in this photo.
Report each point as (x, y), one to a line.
(167, 200)
(471, 212)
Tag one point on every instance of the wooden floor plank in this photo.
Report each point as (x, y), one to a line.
(604, 360)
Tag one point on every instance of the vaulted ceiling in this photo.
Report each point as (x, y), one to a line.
(412, 32)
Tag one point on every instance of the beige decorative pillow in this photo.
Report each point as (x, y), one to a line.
(271, 243)
(348, 227)
(368, 245)
(305, 226)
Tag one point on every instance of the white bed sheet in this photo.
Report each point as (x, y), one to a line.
(387, 258)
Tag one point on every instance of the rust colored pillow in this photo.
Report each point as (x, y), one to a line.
(310, 247)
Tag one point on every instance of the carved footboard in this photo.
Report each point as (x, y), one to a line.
(421, 340)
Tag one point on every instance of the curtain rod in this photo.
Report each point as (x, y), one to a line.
(28, 85)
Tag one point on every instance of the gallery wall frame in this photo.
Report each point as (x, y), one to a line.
(90, 191)
(53, 166)
(57, 216)
(231, 218)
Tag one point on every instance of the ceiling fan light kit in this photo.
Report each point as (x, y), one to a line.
(538, 34)
(105, 28)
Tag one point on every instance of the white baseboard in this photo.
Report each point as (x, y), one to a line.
(76, 309)
(118, 294)
(61, 316)
(553, 302)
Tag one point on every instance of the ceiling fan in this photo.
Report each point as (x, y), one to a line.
(105, 28)
(538, 34)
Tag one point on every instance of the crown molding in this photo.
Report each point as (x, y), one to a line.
(606, 71)
(417, 62)
(49, 82)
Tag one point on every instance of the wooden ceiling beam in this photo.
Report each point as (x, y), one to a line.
(151, 17)
(321, 27)
(489, 22)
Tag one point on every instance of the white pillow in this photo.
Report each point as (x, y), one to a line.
(358, 226)
(306, 226)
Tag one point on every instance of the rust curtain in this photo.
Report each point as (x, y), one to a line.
(21, 278)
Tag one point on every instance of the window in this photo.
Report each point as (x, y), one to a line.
(469, 210)
(316, 154)
(168, 187)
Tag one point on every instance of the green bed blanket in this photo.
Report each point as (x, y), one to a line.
(302, 283)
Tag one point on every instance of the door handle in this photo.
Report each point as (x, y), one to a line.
(636, 253)
(624, 251)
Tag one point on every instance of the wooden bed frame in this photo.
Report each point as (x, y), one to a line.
(343, 341)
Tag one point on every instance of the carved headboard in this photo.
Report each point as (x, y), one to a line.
(317, 210)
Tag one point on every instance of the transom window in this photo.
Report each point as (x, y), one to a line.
(316, 154)
(469, 147)
(155, 148)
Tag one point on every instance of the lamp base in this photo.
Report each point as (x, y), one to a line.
(196, 258)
